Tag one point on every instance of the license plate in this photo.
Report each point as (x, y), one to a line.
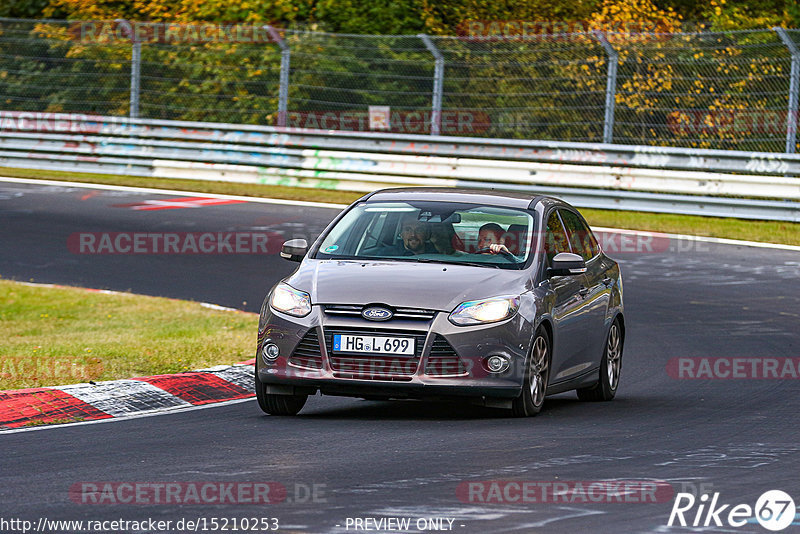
(373, 344)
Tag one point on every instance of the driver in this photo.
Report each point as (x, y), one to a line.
(491, 239)
(415, 235)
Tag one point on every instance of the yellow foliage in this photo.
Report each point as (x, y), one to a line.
(626, 19)
(626, 24)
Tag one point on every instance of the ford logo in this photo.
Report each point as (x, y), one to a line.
(376, 314)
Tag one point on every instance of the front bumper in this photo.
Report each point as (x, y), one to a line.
(419, 378)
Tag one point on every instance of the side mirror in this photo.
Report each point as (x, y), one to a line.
(294, 249)
(566, 264)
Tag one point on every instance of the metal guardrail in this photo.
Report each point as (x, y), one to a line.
(503, 149)
(672, 180)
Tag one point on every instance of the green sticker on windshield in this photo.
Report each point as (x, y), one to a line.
(330, 249)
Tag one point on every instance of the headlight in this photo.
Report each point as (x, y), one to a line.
(484, 311)
(289, 300)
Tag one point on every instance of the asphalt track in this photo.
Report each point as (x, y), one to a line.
(737, 437)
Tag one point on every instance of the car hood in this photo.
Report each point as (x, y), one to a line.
(433, 286)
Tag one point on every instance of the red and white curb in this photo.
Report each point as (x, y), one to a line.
(122, 398)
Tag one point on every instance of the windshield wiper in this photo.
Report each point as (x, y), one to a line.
(445, 262)
(477, 264)
(419, 260)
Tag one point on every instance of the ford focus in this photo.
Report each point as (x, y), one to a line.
(498, 298)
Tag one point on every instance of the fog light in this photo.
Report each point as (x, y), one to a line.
(270, 352)
(496, 364)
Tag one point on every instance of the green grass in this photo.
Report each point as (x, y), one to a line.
(765, 231)
(55, 336)
(62, 421)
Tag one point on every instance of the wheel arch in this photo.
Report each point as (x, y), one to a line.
(619, 315)
(548, 326)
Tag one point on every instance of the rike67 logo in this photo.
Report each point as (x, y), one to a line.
(774, 510)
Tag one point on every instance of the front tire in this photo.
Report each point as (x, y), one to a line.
(537, 373)
(278, 404)
(610, 368)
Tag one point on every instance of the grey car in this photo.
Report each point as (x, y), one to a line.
(499, 298)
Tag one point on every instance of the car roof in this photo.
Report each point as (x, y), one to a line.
(508, 199)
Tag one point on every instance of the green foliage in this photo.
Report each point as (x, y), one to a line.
(379, 17)
(22, 9)
(397, 16)
(278, 12)
(752, 14)
(446, 18)
(671, 89)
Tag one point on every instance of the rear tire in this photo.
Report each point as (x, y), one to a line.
(278, 404)
(610, 367)
(537, 373)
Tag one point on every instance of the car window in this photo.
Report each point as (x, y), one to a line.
(432, 231)
(555, 237)
(580, 237)
(594, 244)
(376, 234)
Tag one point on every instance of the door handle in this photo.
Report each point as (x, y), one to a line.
(608, 281)
(583, 291)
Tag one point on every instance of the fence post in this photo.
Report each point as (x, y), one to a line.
(136, 67)
(283, 91)
(794, 89)
(611, 86)
(438, 84)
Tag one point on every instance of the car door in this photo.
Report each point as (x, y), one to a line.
(597, 293)
(569, 320)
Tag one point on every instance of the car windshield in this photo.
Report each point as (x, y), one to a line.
(446, 232)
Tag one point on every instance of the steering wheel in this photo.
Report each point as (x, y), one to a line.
(507, 255)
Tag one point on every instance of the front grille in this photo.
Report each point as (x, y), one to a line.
(443, 360)
(375, 366)
(354, 310)
(414, 313)
(341, 309)
(307, 353)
